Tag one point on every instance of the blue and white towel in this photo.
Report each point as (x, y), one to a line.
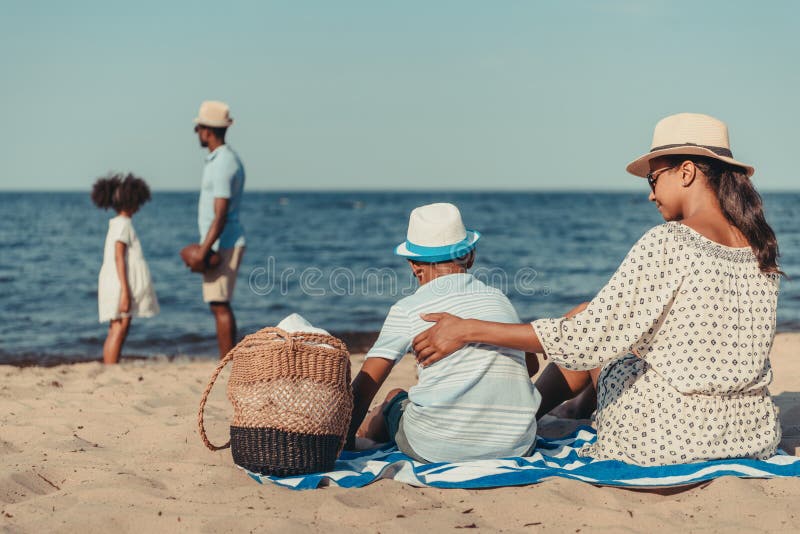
(553, 458)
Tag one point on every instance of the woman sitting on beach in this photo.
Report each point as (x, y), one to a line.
(677, 343)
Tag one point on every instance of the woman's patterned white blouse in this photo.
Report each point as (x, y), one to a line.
(701, 317)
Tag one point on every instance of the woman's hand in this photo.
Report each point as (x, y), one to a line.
(442, 339)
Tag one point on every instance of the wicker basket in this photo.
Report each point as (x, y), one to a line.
(291, 401)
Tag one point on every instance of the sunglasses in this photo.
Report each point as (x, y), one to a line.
(652, 177)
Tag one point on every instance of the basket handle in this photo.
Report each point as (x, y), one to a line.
(228, 357)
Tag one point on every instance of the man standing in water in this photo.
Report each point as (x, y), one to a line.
(221, 234)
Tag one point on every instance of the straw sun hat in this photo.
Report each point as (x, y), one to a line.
(215, 114)
(688, 134)
(436, 233)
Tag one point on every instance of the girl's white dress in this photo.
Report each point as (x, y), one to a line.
(143, 297)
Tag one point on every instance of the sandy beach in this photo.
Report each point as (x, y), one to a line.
(90, 448)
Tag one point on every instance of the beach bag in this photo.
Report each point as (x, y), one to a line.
(291, 399)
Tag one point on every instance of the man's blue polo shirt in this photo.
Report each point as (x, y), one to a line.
(223, 177)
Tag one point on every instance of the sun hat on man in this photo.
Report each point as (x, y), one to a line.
(691, 134)
(436, 233)
(214, 114)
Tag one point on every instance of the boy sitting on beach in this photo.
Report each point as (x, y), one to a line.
(479, 403)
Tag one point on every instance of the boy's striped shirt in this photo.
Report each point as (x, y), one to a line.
(477, 403)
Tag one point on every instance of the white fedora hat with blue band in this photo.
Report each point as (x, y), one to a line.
(436, 233)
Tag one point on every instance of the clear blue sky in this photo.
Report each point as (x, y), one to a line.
(391, 95)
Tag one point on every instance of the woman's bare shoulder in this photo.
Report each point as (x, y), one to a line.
(718, 230)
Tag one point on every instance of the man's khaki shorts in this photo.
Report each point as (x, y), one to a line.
(218, 283)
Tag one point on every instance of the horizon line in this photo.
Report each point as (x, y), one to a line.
(393, 190)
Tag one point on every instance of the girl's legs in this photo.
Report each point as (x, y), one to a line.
(532, 363)
(558, 385)
(117, 332)
(108, 342)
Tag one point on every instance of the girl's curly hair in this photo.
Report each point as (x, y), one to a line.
(120, 191)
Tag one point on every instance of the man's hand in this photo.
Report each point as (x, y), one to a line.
(197, 257)
(194, 258)
(442, 339)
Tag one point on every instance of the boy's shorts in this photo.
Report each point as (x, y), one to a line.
(393, 415)
(218, 283)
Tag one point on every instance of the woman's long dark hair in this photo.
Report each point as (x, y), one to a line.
(741, 204)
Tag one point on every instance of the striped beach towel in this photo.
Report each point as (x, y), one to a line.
(553, 458)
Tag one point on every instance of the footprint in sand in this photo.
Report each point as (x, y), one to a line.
(18, 487)
(6, 447)
(136, 480)
(142, 410)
